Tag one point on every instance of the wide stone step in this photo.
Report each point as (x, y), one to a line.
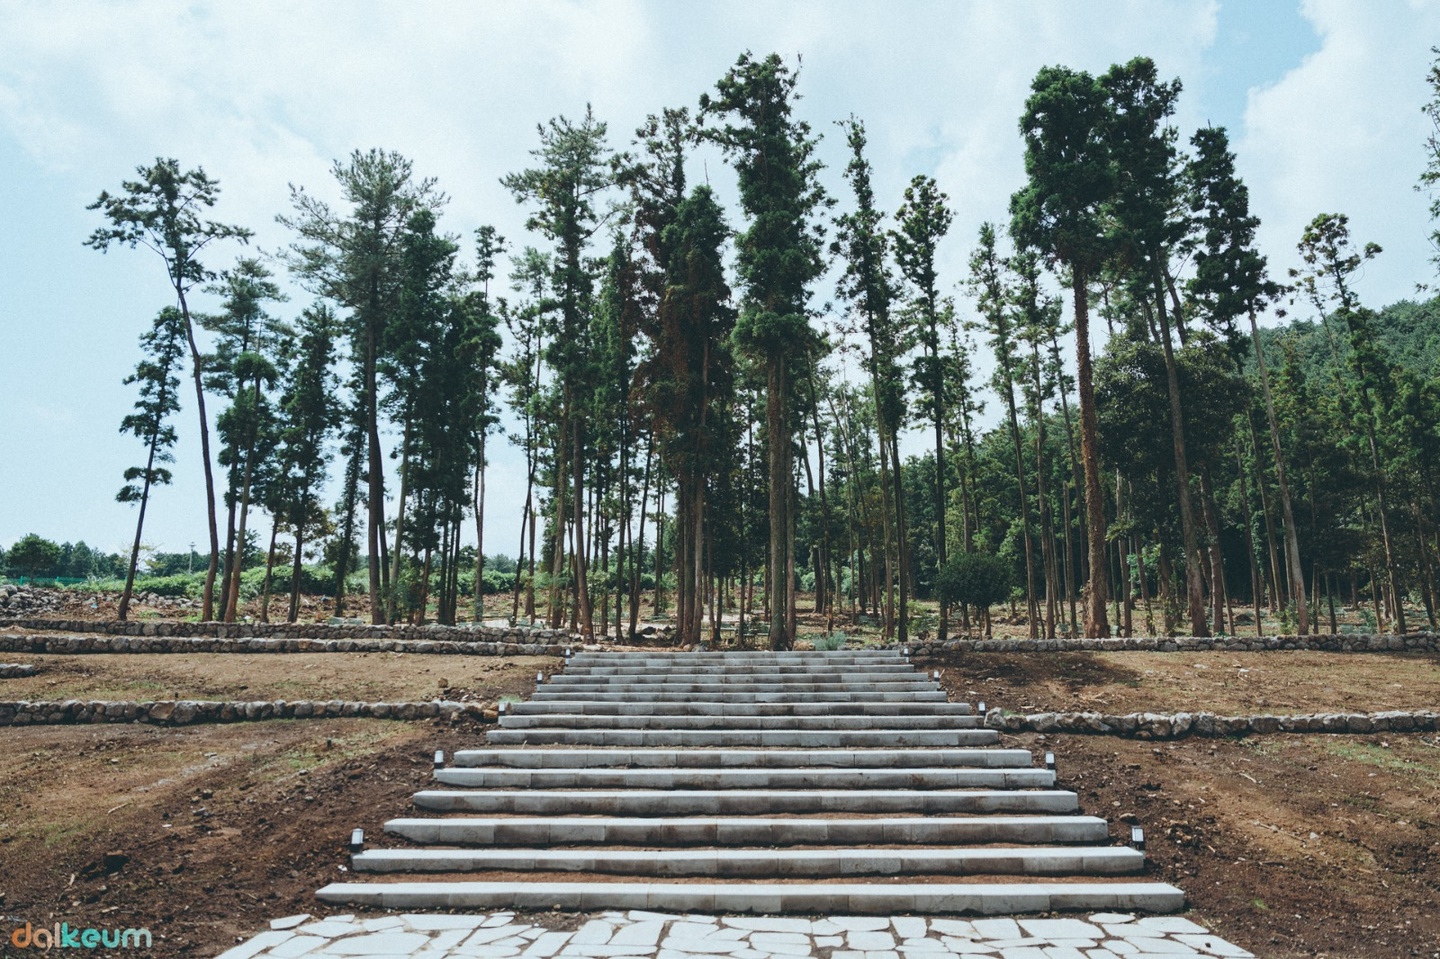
(854, 676)
(800, 738)
(766, 898)
(635, 689)
(551, 758)
(702, 708)
(554, 694)
(740, 658)
(593, 721)
(735, 802)
(765, 863)
(718, 669)
(750, 831)
(747, 778)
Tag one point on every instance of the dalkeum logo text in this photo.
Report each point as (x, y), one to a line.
(63, 936)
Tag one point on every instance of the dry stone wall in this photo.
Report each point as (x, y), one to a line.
(1181, 725)
(16, 670)
(189, 712)
(1342, 643)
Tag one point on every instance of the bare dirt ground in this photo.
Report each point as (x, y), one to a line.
(1287, 845)
(373, 677)
(1281, 681)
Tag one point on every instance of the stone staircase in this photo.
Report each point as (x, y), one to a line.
(840, 782)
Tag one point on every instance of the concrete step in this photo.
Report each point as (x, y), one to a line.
(855, 676)
(799, 738)
(638, 689)
(739, 758)
(703, 708)
(765, 863)
(727, 669)
(733, 802)
(750, 831)
(555, 694)
(879, 898)
(590, 721)
(954, 778)
(740, 657)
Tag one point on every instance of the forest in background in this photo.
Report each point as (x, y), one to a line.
(694, 425)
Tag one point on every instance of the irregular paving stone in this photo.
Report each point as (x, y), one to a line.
(377, 944)
(289, 922)
(1169, 924)
(1061, 928)
(870, 941)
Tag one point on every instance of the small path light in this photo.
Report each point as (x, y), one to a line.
(936, 675)
(980, 708)
(357, 840)
(500, 706)
(539, 677)
(1137, 838)
(439, 759)
(1050, 761)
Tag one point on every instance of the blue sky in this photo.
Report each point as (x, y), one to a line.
(1322, 99)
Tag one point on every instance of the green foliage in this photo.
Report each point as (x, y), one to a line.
(33, 555)
(975, 579)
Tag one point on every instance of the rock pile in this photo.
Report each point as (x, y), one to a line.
(16, 670)
(17, 601)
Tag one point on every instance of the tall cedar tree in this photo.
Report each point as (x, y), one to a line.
(163, 345)
(355, 259)
(1145, 229)
(988, 279)
(162, 211)
(922, 222)
(309, 413)
(1330, 262)
(688, 379)
(248, 342)
(1060, 212)
(777, 259)
(1230, 281)
(563, 191)
(864, 245)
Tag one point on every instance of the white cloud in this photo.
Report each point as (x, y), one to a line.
(266, 93)
(1342, 133)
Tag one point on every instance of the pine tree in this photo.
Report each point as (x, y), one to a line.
(163, 345)
(162, 211)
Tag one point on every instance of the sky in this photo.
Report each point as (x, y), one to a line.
(1322, 99)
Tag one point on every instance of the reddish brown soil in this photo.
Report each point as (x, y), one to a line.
(1289, 846)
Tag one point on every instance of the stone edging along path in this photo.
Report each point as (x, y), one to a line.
(1342, 643)
(93, 643)
(1181, 725)
(16, 670)
(192, 712)
(470, 633)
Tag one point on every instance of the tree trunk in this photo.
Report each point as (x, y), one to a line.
(207, 599)
(1292, 539)
(777, 409)
(1096, 623)
(1194, 586)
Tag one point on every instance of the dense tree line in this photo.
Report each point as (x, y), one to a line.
(694, 425)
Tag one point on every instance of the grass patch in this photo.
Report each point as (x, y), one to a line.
(1380, 758)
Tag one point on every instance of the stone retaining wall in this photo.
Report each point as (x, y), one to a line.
(189, 712)
(469, 633)
(1181, 725)
(91, 643)
(16, 670)
(1343, 643)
